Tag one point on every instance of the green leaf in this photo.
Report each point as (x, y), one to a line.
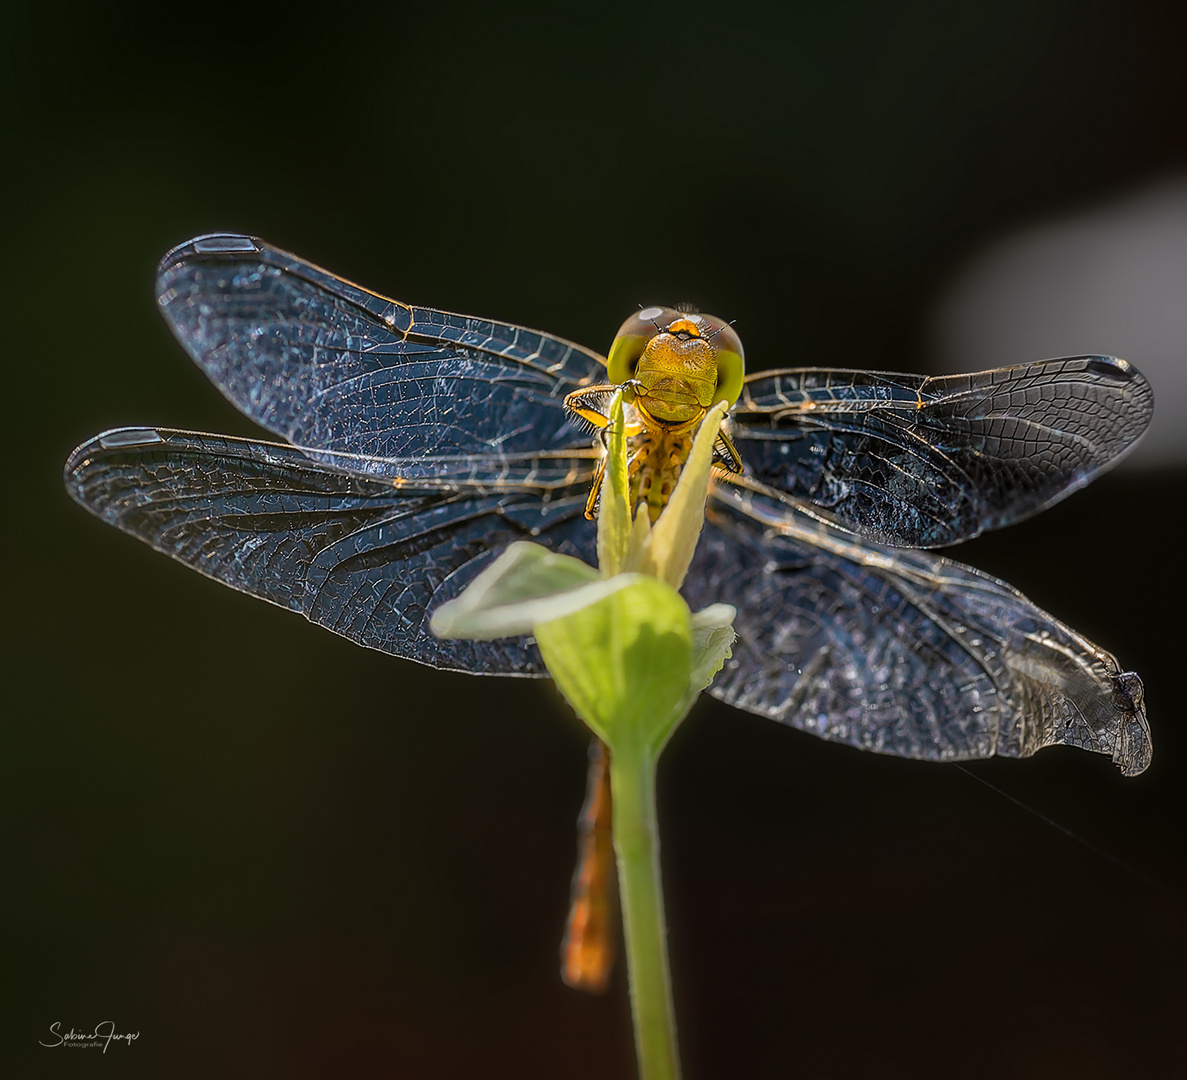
(525, 585)
(624, 662)
(713, 638)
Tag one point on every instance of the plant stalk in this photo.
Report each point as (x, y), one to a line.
(636, 843)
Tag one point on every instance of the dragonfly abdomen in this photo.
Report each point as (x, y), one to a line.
(656, 458)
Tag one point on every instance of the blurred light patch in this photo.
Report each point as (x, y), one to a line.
(1111, 279)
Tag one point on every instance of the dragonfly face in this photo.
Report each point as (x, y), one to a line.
(416, 444)
(679, 363)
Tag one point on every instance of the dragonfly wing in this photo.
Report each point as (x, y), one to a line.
(391, 389)
(904, 652)
(365, 559)
(924, 461)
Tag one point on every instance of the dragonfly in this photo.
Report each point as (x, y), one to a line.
(416, 444)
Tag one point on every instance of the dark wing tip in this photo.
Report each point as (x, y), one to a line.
(1112, 367)
(128, 436)
(116, 438)
(214, 244)
(211, 244)
(1135, 388)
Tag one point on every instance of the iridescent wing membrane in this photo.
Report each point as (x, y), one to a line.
(424, 443)
(420, 443)
(923, 461)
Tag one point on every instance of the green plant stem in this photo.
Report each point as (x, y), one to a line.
(636, 844)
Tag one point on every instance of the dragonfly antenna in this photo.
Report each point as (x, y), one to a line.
(720, 328)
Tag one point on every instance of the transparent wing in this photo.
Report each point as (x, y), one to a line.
(390, 389)
(902, 652)
(918, 461)
(895, 651)
(364, 559)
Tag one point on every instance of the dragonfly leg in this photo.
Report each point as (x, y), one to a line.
(633, 465)
(591, 503)
(592, 403)
(725, 453)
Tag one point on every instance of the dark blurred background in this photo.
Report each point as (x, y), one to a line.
(273, 853)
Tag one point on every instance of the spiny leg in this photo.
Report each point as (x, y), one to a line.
(725, 453)
(634, 463)
(595, 489)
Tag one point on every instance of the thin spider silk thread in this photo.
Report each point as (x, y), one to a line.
(1101, 852)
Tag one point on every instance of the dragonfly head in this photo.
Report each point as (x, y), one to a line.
(684, 361)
